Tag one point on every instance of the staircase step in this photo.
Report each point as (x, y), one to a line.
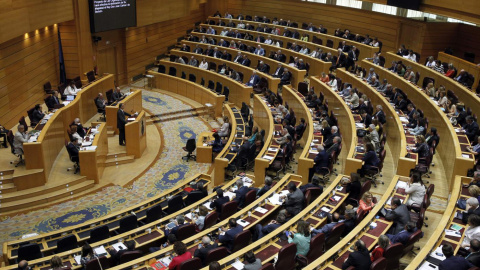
(119, 160)
(110, 133)
(30, 201)
(117, 155)
(38, 191)
(7, 188)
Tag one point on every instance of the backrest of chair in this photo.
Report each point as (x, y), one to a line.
(29, 252)
(175, 203)
(228, 209)
(219, 87)
(23, 122)
(211, 85)
(250, 197)
(316, 247)
(216, 254)
(210, 220)
(360, 216)
(99, 234)
(154, 213)
(161, 69)
(393, 253)
(47, 86)
(130, 256)
(307, 198)
(128, 223)
(329, 43)
(334, 236)
(109, 95)
(315, 191)
(430, 190)
(415, 237)
(91, 76)
(241, 240)
(68, 242)
(192, 77)
(185, 232)
(97, 264)
(286, 257)
(226, 92)
(365, 187)
(193, 197)
(172, 71)
(191, 145)
(421, 218)
(379, 264)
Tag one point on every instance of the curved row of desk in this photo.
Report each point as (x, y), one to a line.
(365, 50)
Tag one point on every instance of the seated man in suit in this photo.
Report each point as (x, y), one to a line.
(268, 185)
(221, 200)
(226, 237)
(73, 148)
(399, 215)
(402, 236)
(278, 72)
(470, 208)
(254, 79)
(349, 221)
(80, 128)
(321, 161)
(453, 262)
(259, 50)
(359, 259)
(261, 231)
(52, 100)
(329, 142)
(314, 184)
(203, 249)
(471, 128)
(100, 102)
(335, 146)
(179, 222)
(327, 228)
(118, 254)
(37, 114)
(474, 256)
(294, 199)
(240, 193)
(117, 95)
(285, 78)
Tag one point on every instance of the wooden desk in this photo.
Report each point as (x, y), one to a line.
(264, 120)
(297, 75)
(395, 135)
(449, 146)
(43, 153)
(204, 152)
(227, 155)
(460, 64)
(239, 93)
(92, 161)
(133, 103)
(189, 89)
(464, 94)
(438, 235)
(247, 71)
(136, 135)
(365, 50)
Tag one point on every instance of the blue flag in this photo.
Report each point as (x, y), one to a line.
(63, 75)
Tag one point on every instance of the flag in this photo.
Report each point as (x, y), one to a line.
(63, 75)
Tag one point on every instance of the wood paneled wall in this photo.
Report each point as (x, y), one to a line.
(26, 63)
(68, 34)
(467, 40)
(437, 37)
(144, 43)
(18, 17)
(385, 27)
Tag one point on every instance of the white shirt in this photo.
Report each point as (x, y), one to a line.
(430, 64)
(203, 65)
(71, 91)
(333, 84)
(268, 41)
(417, 193)
(471, 233)
(304, 50)
(411, 57)
(241, 25)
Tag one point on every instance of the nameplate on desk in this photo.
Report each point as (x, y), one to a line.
(261, 210)
(86, 143)
(89, 148)
(119, 246)
(131, 119)
(465, 156)
(149, 76)
(268, 157)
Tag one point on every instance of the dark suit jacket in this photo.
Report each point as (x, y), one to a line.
(217, 204)
(279, 72)
(471, 130)
(198, 50)
(294, 202)
(401, 237)
(201, 253)
(229, 236)
(285, 77)
(246, 62)
(263, 190)
(358, 259)
(455, 262)
(368, 120)
(381, 117)
(400, 216)
(256, 79)
(37, 116)
(72, 151)
(349, 225)
(121, 121)
(353, 189)
(474, 258)
(329, 142)
(52, 101)
(116, 95)
(321, 160)
(240, 195)
(466, 214)
(310, 185)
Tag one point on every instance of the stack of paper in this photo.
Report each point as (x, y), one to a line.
(453, 233)
(238, 265)
(100, 251)
(337, 198)
(78, 259)
(119, 246)
(261, 210)
(243, 222)
(268, 157)
(401, 184)
(325, 209)
(229, 194)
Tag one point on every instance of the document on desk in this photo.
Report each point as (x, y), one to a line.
(131, 119)
(231, 195)
(360, 125)
(401, 184)
(78, 259)
(273, 149)
(166, 261)
(207, 204)
(438, 250)
(119, 246)
(453, 233)
(261, 210)
(238, 265)
(465, 156)
(86, 143)
(268, 157)
(337, 198)
(403, 119)
(100, 251)
(275, 199)
(325, 209)
(428, 266)
(243, 222)
(90, 148)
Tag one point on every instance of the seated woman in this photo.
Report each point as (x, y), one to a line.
(450, 71)
(87, 255)
(366, 203)
(353, 187)
(217, 145)
(301, 238)
(56, 263)
(225, 129)
(475, 150)
(450, 108)
(251, 263)
(441, 97)
(430, 90)
(369, 160)
(200, 219)
(74, 134)
(472, 231)
(324, 78)
(326, 130)
(182, 255)
(421, 147)
(416, 189)
(377, 252)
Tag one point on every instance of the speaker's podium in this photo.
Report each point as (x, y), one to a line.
(136, 135)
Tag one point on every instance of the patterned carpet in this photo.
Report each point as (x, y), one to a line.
(165, 173)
